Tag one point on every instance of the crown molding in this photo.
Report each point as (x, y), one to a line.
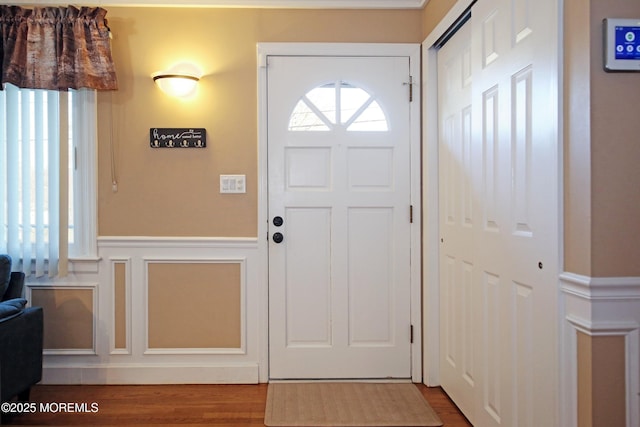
(269, 4)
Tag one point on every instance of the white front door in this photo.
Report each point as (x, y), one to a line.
(339, 182)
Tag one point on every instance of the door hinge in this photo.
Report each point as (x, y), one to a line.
(411, 214)
(410, 88)
(411, 334)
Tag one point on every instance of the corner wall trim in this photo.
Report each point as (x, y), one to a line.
(600, 307)
(600, 288)
(602, 328)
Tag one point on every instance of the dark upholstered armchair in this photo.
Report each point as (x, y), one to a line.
(21, 336)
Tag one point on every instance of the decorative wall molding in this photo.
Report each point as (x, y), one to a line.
(230, 373)
(600, 288)
(137, 364)
(602, 328)
(84, 265)
(93, 287)
(600, 306)
(182, 351)
(201, 260)
(176, 242)
(112, 335)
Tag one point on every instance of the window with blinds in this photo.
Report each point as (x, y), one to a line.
(44, 168)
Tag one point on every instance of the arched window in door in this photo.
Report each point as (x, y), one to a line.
(338, 105)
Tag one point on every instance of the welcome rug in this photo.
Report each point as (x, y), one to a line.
(347, 404)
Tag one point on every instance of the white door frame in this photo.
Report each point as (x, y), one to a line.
(341, 49)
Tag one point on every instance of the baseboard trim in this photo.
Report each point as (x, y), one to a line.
(150, 374)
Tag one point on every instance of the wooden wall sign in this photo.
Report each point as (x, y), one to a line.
(177, 137)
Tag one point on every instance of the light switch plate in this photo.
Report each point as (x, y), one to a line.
(233, 184)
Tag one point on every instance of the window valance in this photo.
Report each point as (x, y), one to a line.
(56, 48)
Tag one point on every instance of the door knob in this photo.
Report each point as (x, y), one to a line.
(278, 237)
(278, 221)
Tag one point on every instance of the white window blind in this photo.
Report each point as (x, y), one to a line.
(42, 190)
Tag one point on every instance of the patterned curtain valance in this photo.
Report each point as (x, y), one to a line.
(56, 48)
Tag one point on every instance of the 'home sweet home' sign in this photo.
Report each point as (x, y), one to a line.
(177, 137)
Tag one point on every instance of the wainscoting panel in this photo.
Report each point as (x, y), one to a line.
(121, 282)
(602, 319)
(163, 310)
(195, 306)
(70, 314)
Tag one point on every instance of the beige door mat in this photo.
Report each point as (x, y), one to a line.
(333, 404)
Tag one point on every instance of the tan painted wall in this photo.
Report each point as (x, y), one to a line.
(615, 152)
(601, 381)
(577, 139)
(609, 385)
(194, 305)
(432, 14)
(163, 192)
(602, 191)
(68, 317)
(584, 359)
(602, 179)
(120, 304)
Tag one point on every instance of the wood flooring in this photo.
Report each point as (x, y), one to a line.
(171, 405)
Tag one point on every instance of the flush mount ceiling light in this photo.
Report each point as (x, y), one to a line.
(175, 83)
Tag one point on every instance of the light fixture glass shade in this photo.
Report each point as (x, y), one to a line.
(176, 84)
